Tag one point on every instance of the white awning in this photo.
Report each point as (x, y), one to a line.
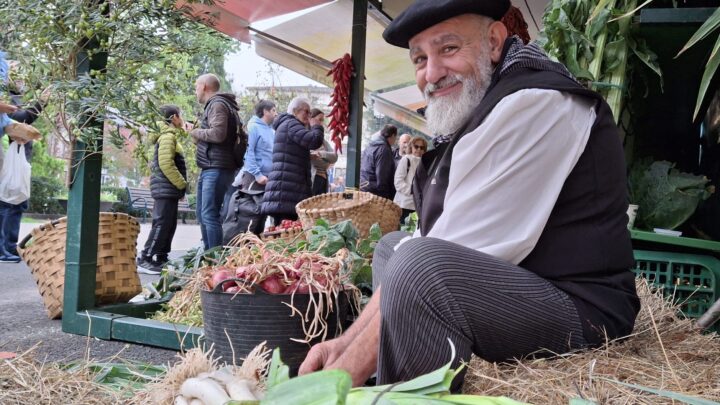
(307, 44)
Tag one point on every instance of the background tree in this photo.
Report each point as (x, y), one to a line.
(155, 51)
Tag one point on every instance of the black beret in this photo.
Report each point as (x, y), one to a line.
(423, 14)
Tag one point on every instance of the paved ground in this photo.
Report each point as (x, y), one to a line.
(23, 322)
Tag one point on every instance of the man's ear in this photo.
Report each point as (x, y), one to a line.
(497, 33)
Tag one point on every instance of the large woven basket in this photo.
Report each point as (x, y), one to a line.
(116, 278)
(362, 208)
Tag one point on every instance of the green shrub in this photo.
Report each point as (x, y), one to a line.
(43, 193)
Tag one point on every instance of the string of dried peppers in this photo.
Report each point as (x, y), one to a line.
(341, 72)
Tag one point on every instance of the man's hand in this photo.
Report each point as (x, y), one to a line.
(262, 180)
(7, 108)
(322, 356)
(193, 138)
(314, 155)
(19, 141)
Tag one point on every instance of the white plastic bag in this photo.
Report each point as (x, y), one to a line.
(15, 176)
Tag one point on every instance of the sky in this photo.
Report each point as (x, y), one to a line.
(246, 69)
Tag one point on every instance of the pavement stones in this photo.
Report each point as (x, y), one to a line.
(24, 323)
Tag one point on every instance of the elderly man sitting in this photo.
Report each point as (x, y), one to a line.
(523, 244)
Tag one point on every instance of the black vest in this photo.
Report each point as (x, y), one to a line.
(160, 186)
(585, 248)
(210, 155)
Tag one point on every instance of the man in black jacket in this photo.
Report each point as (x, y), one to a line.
(215, 155)
(377, 166)
(522, 247)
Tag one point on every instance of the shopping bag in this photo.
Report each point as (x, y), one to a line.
(243, 215)
(15, 176)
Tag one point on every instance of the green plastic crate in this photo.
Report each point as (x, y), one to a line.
(692, 280)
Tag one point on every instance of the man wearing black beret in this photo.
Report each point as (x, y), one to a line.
(522, 246)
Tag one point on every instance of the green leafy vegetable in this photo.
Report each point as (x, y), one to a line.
(333, 387)
(593, 38)
(667, 394)
(120, 376)
(279, 372)
(666, 196)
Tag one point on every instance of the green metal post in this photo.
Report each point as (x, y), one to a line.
(83, 214)
(357, 91)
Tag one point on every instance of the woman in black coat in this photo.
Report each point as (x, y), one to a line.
(289, 181)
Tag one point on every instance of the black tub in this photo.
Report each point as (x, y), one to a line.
(236, 323)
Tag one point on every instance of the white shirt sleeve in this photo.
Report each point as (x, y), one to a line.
(507, 174)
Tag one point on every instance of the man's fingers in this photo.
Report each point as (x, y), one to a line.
(7, 108)
(313, 362)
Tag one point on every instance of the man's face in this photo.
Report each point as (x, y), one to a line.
(269, 115)
(303, 114)
(403, 144)
(453, 69)
(199, 91)
(177, 121)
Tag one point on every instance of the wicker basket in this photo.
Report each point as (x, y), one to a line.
(362, 208)
(116, 279)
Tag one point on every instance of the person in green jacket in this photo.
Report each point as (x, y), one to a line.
(168, 182)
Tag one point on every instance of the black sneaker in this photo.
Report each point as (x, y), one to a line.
(9, 258)
(148, 266)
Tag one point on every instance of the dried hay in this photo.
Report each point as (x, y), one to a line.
(184, 307)
(664, 353)
(23, 380)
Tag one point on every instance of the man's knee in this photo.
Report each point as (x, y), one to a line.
(413, 268)
(384, 249)
(387, 243)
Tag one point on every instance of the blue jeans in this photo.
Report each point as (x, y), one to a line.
(211, 189)
(10, 215)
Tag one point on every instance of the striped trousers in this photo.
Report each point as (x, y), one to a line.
(434, 290)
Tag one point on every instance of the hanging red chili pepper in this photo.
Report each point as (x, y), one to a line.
(516, 24)
(341, 72)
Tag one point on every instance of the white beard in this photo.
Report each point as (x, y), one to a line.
(445, 115)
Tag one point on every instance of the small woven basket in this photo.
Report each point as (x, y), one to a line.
(362, 208)
(116, 278)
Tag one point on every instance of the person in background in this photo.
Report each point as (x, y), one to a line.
(5, 109)
(321, 159)
(258, 157)
(338, 185)
(404, 175)
(215, 155)
(377, 167)
(168, 183)
(11, 214)
(403, 147)
(289, 181)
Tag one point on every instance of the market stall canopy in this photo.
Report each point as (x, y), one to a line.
(323, 35)
(233, 17)
(308, 43)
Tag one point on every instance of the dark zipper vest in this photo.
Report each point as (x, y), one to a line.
(585, 248)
